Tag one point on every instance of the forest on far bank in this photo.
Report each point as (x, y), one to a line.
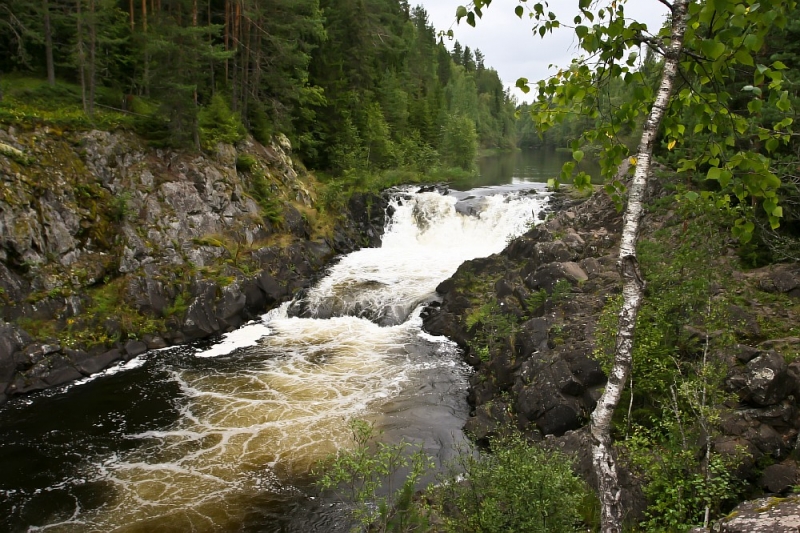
(356, 86)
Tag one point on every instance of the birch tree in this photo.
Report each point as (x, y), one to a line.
(702, 45)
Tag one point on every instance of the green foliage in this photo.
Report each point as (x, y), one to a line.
(361, 473)
(676, 392)
(678, 490)
(271, 207)
(491, 328)
(120, 206)
(536, 299)
(519, 486)
(218, 124)
(245, 162)
(459, 142)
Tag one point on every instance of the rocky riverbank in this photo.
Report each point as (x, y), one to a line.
(109, 247)
(530, 320)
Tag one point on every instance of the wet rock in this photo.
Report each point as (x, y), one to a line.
(61, 371)
(154, 342)
(230, 305)
(273, 291)
(95, 364)
(764, 515)
(134, 348)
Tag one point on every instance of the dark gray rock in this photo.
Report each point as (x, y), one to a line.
(542, 403)
(489, 420)
(295, 222)
(780, 477)
(745, 324)
(61, 373)
(766, 379)
(97, 363)
(201, 320)
(134, 348)
(230, 305)
(546, 276)
(585, 369)
(741, 452)
(273, 291)
(745, 353)
(154, 342)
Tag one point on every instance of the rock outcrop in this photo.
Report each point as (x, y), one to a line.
(554, 281)
(109, 247)
(544, 379)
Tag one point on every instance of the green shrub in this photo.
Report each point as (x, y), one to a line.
(271, 207)
(518, 487)
(219, 124)
(245, 162)
(359, 474)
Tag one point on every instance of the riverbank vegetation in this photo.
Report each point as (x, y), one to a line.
(357, 88)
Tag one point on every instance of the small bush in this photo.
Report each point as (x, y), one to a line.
(518, 487)
(219, 124)
(360, 474)
(245, 162)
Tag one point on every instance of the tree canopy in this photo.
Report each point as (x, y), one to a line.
(355, 84)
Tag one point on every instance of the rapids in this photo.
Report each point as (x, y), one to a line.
(224, 436)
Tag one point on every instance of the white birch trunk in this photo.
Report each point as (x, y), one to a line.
(603, 458)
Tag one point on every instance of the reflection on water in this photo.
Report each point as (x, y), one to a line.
(522, 166)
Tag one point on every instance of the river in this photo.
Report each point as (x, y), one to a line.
(223, 435)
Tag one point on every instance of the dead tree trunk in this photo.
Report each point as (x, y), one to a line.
(603, 458)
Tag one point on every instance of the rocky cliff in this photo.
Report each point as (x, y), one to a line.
(109, 247)
(530, 321)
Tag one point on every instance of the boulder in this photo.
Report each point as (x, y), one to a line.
(97, 363)
(201, 320)
(134, 348)
(546, 276)
(764, 515)
(766, 379)
(489, 420)
(780, 478)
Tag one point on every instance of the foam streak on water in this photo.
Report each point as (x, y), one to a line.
(274, 397)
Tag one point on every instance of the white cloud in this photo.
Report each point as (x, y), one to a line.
(508, 43)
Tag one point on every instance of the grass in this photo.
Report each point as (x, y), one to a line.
(31, 102)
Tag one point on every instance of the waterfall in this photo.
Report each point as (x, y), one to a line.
(238, 425)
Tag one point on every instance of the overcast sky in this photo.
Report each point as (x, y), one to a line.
(508, 43)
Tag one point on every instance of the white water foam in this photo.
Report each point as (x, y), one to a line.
(298, 381)
(425, 242)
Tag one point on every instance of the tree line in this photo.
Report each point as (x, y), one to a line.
(356, 85)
